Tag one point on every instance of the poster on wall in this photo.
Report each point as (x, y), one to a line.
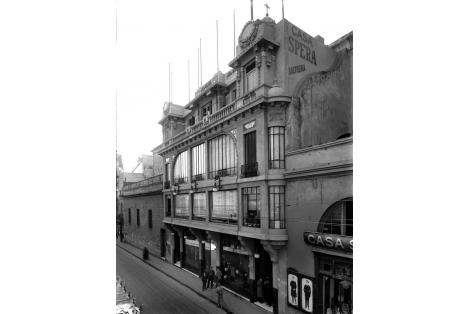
(293, 284)
(307, 295)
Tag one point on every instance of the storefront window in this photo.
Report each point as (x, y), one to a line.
(182, 206)
(224, 206)
(336, 277)
(251, 207)
(338, 218)
(199, 206)
(276, 207)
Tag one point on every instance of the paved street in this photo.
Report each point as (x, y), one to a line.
(157, 292)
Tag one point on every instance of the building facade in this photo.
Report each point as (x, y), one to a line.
(257, 168)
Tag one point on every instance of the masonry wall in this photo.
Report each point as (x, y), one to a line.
(143, 235)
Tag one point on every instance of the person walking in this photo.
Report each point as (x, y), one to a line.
(204, 279)
(218, 276)
(259, 289)
(220, 295)
(211, 278)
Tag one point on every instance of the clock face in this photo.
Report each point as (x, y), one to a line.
(247, 31)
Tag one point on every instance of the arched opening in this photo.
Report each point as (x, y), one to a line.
(338, 218)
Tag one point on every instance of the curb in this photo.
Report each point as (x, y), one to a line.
(177, 280)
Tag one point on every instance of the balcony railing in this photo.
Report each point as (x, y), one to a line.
(223, 173)
(144, 183)
(181, 180)
(198, 177)
(231, 220)
(252, 222)
(249, 170)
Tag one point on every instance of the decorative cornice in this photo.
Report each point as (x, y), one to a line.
(321, 146)
(318, 171)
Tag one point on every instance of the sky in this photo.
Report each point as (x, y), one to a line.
(151, 34)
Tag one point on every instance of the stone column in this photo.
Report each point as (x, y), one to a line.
(275, 248)
(215, 255)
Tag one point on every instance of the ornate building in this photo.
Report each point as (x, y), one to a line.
(260, 159)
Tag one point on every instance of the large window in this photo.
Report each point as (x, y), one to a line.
(338, 218)
(224, 206)
(199, 206)
(182, 205)
(198, 162)
(206, 110)
(251, 207)
(251, 77)
(222, 157)
(277, 218)
(276, 147)
(181, 171)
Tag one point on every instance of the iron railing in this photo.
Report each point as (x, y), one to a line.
(252, 222)
(249, 170)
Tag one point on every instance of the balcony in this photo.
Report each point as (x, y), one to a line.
(222, 173)
(249, 170)
(254, 222)
(153, 184)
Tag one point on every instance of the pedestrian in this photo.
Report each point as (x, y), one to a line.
(220, 295)
(211, 278)
(204, 280)
(267, 290)
(121, 236)
(259, 289)
(218, 276)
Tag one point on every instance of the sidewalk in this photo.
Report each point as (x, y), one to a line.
(232, 302)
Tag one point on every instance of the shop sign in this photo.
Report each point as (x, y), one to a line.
(300, 291)
(249, 125)
(329, 241)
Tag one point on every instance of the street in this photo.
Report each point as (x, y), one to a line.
(157, 292)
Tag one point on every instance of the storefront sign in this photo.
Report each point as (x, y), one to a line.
(329, 241)
(249, 125)
(301, 44)
(296, 69)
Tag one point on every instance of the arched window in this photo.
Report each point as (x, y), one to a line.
(338, 218)
(222, 156)
(181, 170)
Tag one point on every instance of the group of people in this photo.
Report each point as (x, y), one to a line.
(263, 290)
(209, 278)
(344, 308)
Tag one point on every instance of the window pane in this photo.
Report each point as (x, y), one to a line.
(182, 205)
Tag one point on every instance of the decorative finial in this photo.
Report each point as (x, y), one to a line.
(267, 8)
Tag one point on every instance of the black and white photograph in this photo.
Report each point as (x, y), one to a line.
(204, 156)
(250, 147)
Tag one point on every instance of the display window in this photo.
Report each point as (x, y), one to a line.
(336, 278)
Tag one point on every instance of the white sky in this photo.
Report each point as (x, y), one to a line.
(152, 34)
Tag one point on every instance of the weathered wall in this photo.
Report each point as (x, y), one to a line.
(322, 107)
(144, 236)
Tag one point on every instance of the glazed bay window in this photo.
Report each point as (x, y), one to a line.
(181, 171)
(251, 77)
(251, 207)
(277, 215)
(224, 206)
(198, 154)
(222, 157)
(199, 206)
(182, 205)
(276, 148)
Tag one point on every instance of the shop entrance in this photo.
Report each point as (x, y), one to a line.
(263, 271)
(234, 264)
(336, 285)
(176, 250)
